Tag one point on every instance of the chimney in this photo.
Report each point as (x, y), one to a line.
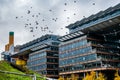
(11, 38)
(11, 41)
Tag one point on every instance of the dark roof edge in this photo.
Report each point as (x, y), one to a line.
(85, 20)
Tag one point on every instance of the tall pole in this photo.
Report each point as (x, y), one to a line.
(84, 74)
(34, 77)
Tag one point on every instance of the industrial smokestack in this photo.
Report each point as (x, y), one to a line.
(11, 41)
(11, 38)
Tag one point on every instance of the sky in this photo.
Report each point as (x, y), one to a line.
(30, 19)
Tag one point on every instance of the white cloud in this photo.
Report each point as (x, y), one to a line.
(9, 9)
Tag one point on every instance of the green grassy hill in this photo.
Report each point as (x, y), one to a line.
(6, 66)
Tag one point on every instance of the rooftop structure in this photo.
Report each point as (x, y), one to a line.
(98, 22)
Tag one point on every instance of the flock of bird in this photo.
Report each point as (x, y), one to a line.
(34, 25)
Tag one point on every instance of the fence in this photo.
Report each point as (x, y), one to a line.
(34, 77)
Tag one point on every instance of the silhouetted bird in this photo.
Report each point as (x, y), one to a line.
(65, 4)
(36, 15)
(26, 24)
(68, 17)
(74, 14)
(31, 30)
(32, 15)
(83, 16)
(93, 3)
(74, 1)
(36, 22)
(33, 35)
(65, 10)
(50, 10)
(28, 12)
(21, 16)
(27, 19)
(43, 20)
(36, 27)
(16, 17)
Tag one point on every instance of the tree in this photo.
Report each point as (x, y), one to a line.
(101, 76)
(117, 77)
(92, 76)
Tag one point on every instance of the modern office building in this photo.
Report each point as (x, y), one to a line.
(93, 44)
(40, 55)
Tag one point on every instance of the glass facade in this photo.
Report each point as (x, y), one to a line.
(74, 53)
(45, 61)
(43, 55)
(88, 52)
(35, 59)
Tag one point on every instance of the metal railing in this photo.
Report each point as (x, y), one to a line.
(34, 77)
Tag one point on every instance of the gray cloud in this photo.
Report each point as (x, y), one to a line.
(9, 9)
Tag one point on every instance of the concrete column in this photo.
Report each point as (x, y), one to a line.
(84, 75)
(97, 74)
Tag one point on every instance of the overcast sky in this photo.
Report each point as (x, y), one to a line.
(22, 16)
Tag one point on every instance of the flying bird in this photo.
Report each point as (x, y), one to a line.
(31, 30)
(83, 16)
(93, 3)
(46, 27)
(74, 14)
(65, 10)
(36, 27)
(31, 27)
(68, 17)
(39, 13)
(21, 16)
(43, 20)
(26, 24)
(28, 12)
(36, 15)
(65, 4)
(32, 15)
(36, 22)
(50, 10)
(16, 17)
(33, 35)
(27, 19)
(74, 1)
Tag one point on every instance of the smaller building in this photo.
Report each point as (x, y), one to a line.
(5, 55)
(40, 55)
(9, 48)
